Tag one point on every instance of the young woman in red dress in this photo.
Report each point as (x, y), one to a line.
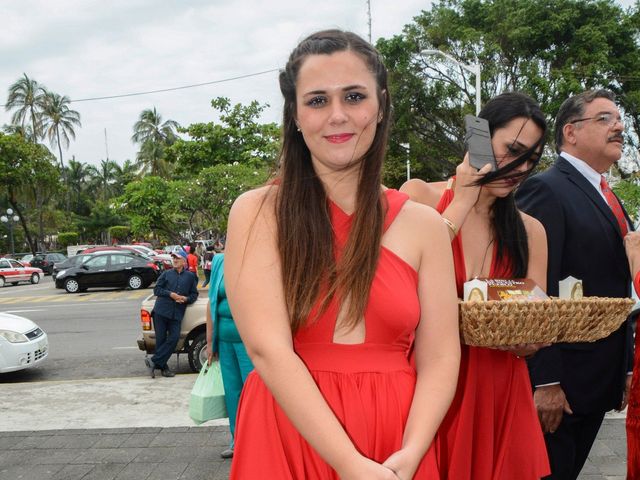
(331, 283)
(491, 431)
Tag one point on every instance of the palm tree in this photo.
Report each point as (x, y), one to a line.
(125, 174)
(27, 96)
(153, 136)
(58, 121)
(103, 177)
(24, 132)
(77, 175)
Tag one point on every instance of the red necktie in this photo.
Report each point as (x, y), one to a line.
(613, 202)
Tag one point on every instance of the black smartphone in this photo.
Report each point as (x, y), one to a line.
(478, 142)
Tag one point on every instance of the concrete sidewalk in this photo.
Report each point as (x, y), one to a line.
(139, 429)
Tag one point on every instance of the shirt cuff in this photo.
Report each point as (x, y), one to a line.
(548, 384)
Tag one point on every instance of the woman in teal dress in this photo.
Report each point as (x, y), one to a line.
(224, 342)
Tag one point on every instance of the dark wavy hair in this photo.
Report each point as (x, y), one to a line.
(507, 225)
(304, 230)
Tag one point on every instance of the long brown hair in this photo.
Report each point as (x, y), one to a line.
(305, 234)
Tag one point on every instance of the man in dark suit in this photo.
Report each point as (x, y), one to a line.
(576, 383)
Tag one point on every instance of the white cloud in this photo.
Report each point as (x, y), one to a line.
(87, 48)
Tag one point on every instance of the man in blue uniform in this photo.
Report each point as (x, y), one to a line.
(175, 289)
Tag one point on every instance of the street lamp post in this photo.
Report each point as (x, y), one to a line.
(407, 147)
(10, 219)
(473, 68)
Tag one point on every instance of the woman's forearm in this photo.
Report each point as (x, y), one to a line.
(293, 387)
(435, 388)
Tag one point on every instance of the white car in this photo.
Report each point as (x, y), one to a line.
(22, 343)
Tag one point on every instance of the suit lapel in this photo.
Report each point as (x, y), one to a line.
(587, 188)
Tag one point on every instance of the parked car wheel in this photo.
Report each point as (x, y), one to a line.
(135, 282)
(71, 285)
(2, 282)
(198, 352)
(35, 278)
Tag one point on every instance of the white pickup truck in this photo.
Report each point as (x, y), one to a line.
(193, 340)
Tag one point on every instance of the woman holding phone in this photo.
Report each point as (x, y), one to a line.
(491, 431)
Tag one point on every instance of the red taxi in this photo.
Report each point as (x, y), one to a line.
(13, 272)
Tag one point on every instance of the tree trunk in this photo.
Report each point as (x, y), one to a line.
(63, 172)
(40, 213)
(23, 222)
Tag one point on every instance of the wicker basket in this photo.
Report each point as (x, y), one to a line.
(591, 318)
(498, 323)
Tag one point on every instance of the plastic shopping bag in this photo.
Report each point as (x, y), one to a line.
(207, 395)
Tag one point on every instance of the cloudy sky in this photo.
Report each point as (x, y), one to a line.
(95, 48)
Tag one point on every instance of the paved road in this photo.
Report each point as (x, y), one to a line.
(91, 335)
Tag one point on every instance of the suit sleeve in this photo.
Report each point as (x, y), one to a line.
(537, 199)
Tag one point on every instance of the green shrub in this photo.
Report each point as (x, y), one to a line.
(119, 232)
(67, 238)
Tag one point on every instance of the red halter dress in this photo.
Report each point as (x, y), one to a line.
(491, 431)
(368, 386)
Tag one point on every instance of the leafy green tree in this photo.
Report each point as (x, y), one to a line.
(213, 191)
(150, 204)
(153, 136)
(59, 121)
(94, 228)
(28, 179)
(26, 97)
(549, 49)
(236, 137)
(629, 193)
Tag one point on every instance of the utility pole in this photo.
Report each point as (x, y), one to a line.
(369, 18)
(106, 144)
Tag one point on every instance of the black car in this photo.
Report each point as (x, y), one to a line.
(108, 269)
(79, 259)
(74, 261)
(45, 261)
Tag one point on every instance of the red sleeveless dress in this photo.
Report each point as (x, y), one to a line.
(491, 431)
(633, 411)
(369, 386)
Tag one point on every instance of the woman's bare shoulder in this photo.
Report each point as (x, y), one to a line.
(256, 199)
(419, 218)
(427, 193)
(532, 225)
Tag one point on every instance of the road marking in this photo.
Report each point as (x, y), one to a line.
(24, 311)
(12, 300)
(79, 298)
(44, 298)
(74, 305)
(10, 290)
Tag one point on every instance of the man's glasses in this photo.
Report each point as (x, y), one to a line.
(608, 119)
